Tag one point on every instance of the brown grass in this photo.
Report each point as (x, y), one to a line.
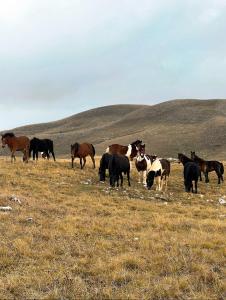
(88, 241)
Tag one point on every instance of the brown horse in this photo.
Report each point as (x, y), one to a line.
(81, 151)
(130, 151)
(20, 143)
(207, 166)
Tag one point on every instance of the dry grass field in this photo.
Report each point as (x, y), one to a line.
(73, 237)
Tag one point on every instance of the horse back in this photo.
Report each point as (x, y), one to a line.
(21, 143)
(85, 149)
(118, 149)
(191, 171)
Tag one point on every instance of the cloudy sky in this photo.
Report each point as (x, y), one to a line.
(60, 57)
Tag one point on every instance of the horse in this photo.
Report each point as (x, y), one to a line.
(185, 159)
(104, 164)
(20, 143)
(207, 166)
(81, 151)
(129, 151)
(166, 169)
(155, 171)
(118, 164)
(44, 146)
(143, 163)
(191, 173)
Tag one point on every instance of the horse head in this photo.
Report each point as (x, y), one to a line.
(6, 137)
(74, 149)
(193, 154)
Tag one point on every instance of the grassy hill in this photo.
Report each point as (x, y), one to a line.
(166, 128)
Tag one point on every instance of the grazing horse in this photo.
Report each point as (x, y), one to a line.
(20, 143)
(81, 151)
(129, 151)
(104, 164)
(207, 166)
(184, 159)
(191, 173)
(45, 146)
(118, 164)
(155, 171)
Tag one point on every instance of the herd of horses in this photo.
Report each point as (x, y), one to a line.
(117, 160)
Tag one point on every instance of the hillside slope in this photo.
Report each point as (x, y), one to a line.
(166, 128)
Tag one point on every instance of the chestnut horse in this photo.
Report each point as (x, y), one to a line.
(20, 143)
(130, 151)
(81, 151)
(207, 166)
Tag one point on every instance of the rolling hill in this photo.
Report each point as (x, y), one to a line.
(166, 128)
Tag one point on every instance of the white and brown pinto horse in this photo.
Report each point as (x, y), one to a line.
(20, 143)
(130, 151)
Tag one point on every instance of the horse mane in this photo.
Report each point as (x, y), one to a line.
(137, 142)
(8, 134)
(198, 158)
(75, 147)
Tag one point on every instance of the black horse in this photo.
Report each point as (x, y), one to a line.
(44, 145)
(184, 159)
(191, 173)
(118, 164)
(104, 163)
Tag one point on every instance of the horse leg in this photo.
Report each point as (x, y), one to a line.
(128, 178)
(157, 184)
(192, 187)
(218, 175)
(196, 188)
(12, 156)
(139, 176)
(200, 175)
(72, 162)
(34, 153)
(53, 155)
(84, 159)
(206, 177)
(47, 154)
(93, 160)
(121, 178)
(81, 163)
(145, 178)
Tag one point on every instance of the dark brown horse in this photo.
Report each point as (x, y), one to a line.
(207, 166)
(130, 151)
(81, 151)
(20, 143)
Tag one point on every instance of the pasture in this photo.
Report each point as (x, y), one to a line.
(73, 237)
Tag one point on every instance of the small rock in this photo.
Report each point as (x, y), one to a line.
(5, 208)
(29, 219)
(222, 201)
(15, 199)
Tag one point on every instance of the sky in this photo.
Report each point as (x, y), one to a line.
(60, 57)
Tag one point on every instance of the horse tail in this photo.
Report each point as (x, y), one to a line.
(94, 151)
(222, 168)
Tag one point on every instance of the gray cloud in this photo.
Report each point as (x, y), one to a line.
(60, 57)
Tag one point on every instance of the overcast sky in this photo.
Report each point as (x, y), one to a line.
(60, 57)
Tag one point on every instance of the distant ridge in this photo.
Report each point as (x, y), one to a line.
(166, 128)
